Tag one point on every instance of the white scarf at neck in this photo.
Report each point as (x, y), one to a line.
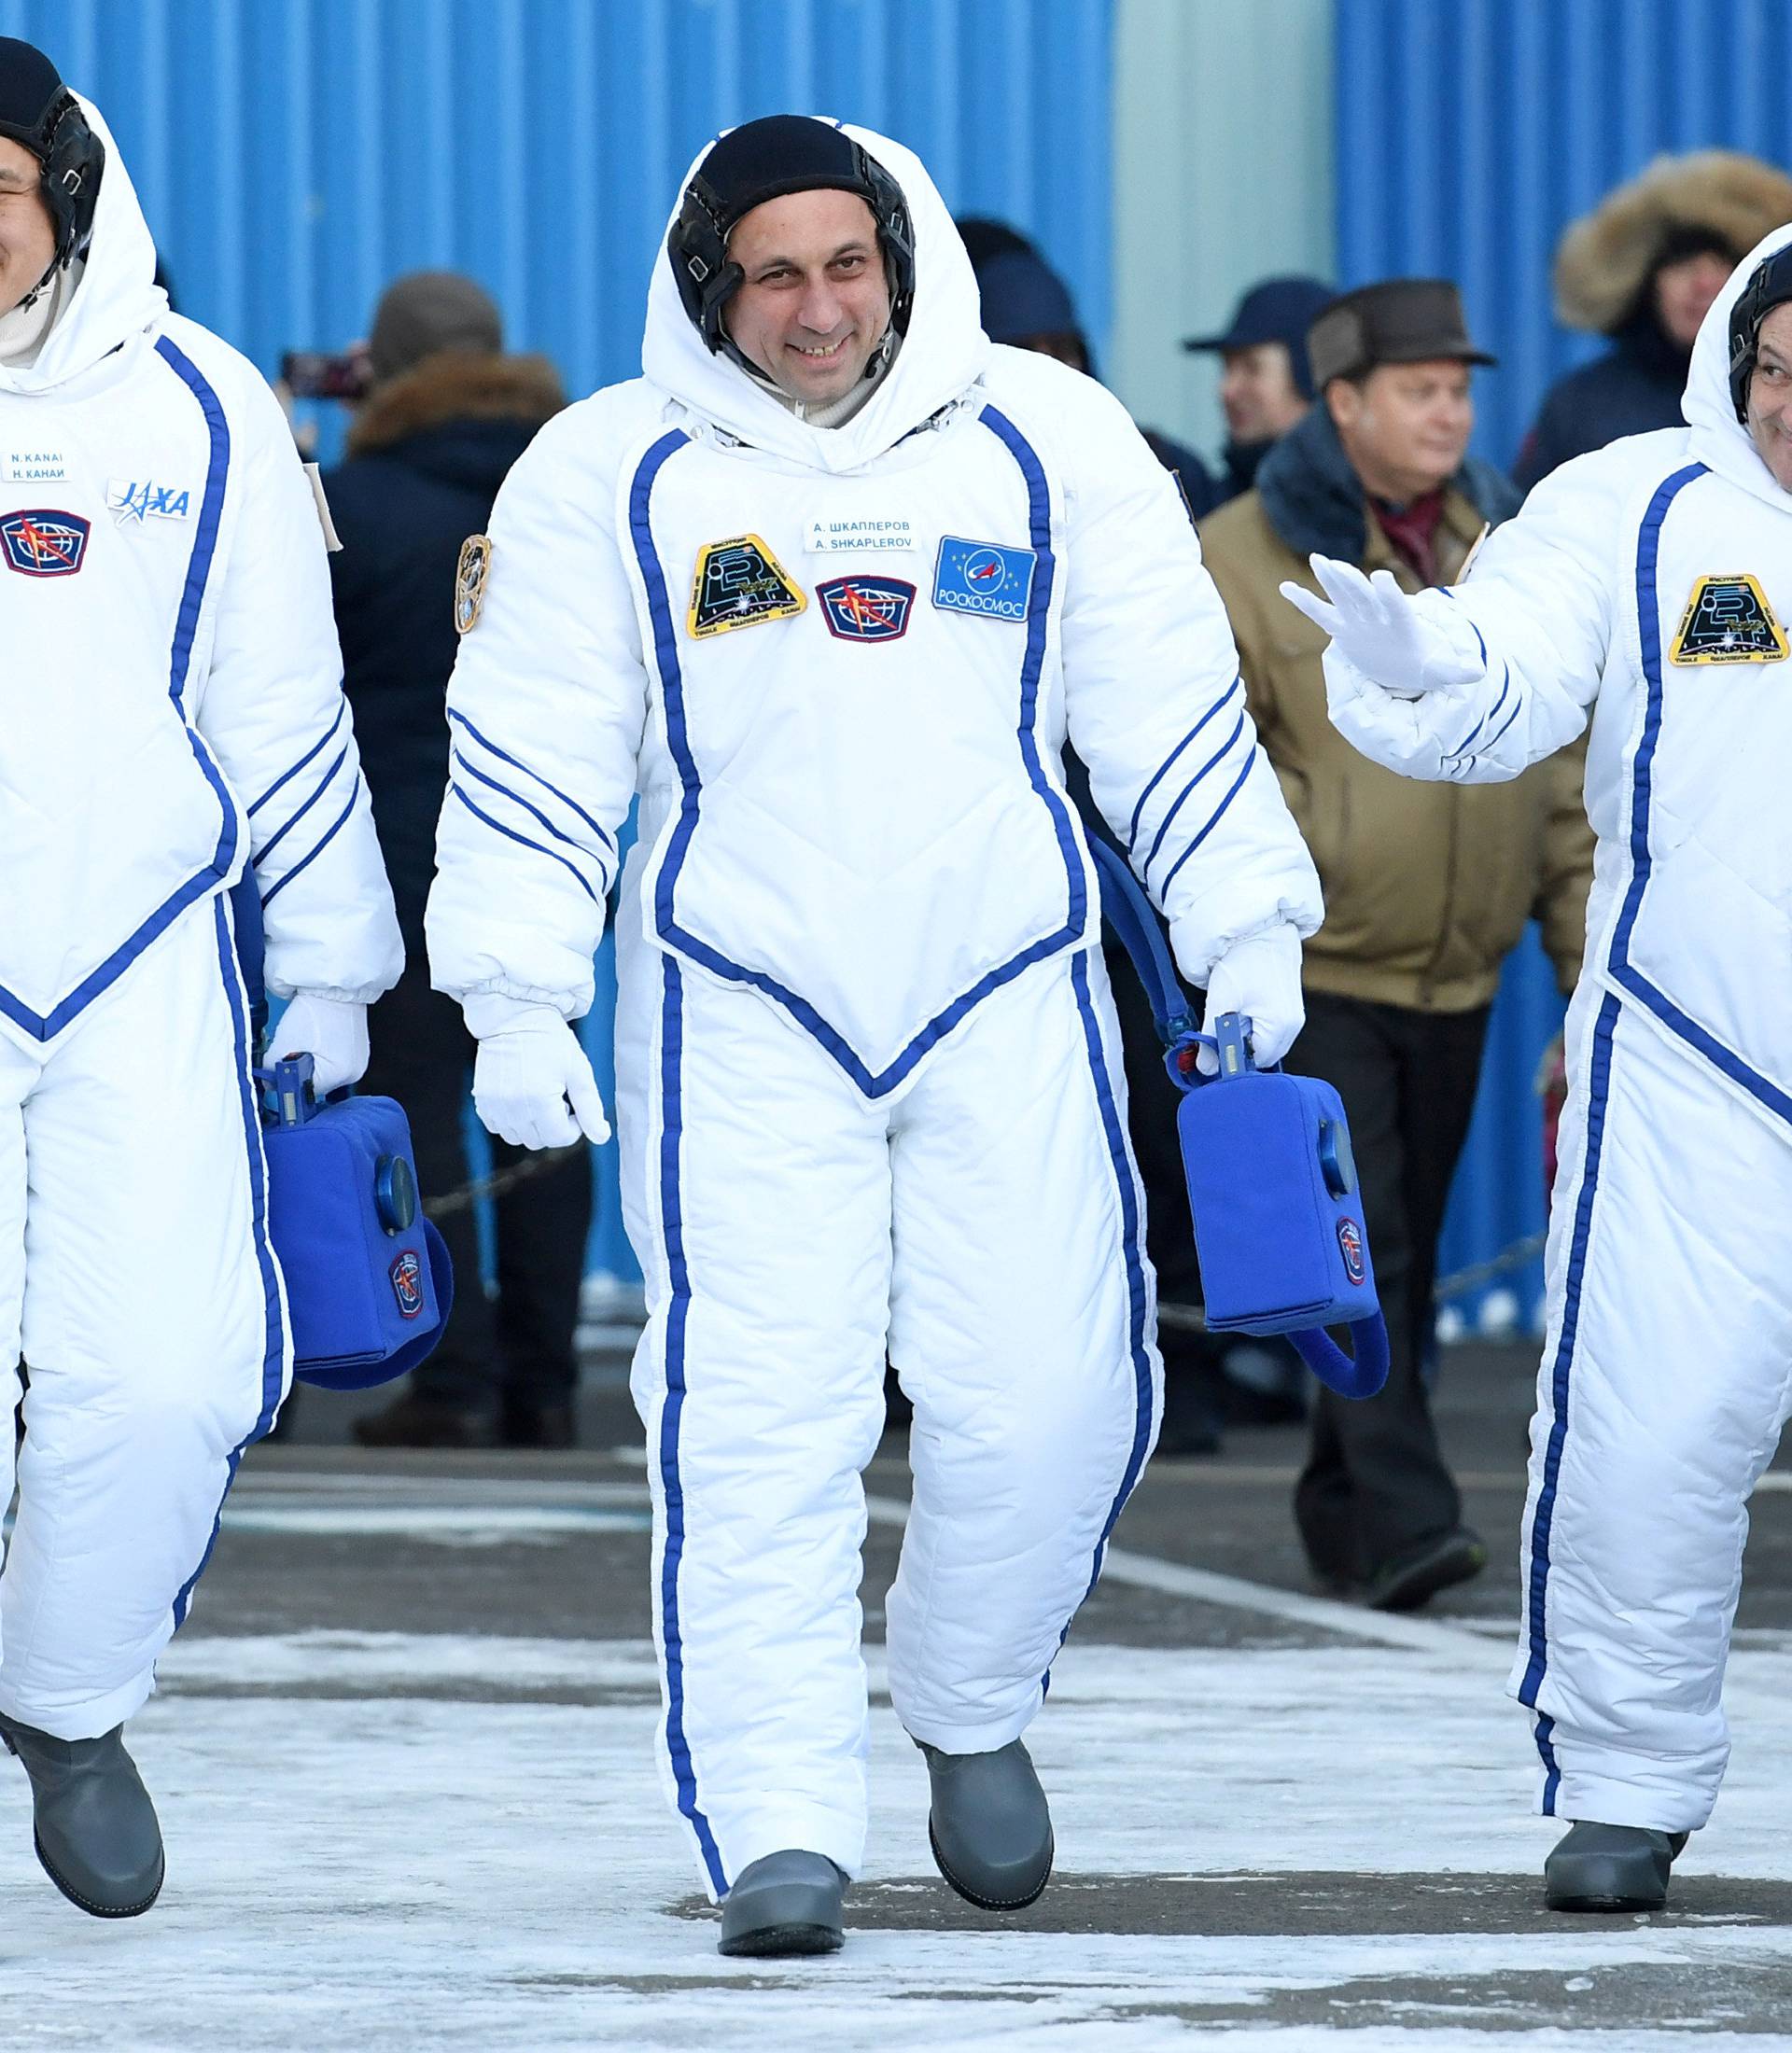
(836, 412)
(24, 331)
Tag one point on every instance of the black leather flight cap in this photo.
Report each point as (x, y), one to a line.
(1399, 321)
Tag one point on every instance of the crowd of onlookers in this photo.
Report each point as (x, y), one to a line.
(1346, 424)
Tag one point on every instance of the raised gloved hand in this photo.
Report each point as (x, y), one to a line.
(1376, 628)
(332, 1031)
(532, 1081)
(1258, 976)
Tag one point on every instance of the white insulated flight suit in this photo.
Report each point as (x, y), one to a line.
(170, 718)
(870, 1093)
(1648, 589)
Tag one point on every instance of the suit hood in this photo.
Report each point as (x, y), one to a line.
(945, 351)
(1718, 439)
(116, 296)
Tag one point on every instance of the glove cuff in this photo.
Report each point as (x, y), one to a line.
(490, 1012)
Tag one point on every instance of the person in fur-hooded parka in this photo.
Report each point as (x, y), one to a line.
(1642, 267)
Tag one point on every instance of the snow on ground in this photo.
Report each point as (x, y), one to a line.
(390, 1840)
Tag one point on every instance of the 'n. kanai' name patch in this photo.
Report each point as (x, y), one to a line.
(1727, 620)
(738, 583)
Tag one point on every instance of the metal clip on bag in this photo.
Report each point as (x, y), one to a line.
(1271, 1179)
(369, 1281)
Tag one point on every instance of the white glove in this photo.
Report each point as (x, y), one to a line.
(528, 1070)
(1260, 977)
(1376, 627)
(332, 1031)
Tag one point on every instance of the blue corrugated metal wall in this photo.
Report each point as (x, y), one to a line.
(294, 155)
(1468, 136)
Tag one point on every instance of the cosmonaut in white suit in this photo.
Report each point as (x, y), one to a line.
(1646, 588)
(170, 719)
(829, 586)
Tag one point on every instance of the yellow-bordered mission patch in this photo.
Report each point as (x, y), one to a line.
(1727, 620)
(738, 583)
(471, 577)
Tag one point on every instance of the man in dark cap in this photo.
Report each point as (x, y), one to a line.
(1265, 382)
(1027, 305)
(1427, 887)
(173, 740)
(446, 416)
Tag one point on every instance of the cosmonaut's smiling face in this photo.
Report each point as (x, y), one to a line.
(1770, 395)
(27, 232)
(814, 300)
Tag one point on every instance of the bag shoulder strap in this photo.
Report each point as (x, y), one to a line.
(1129, 913)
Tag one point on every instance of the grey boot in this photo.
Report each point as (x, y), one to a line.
(784, 1903)
(96, 1829)
(990, 1827)
(1610, 1868)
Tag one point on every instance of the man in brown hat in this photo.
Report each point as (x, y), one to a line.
(1427, 887)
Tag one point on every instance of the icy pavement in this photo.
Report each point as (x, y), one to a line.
(410, 1839)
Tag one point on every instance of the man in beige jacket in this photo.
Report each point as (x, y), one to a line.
(1427, 887)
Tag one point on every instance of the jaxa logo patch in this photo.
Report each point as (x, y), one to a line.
(470, 574)
(738, 583)
(42, 542)
(407, 1284)
(1350, 1245)
(983, 577)
(1727, 620)
(126, 500)
(866, 610)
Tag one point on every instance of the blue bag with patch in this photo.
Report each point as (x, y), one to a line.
(1271, 1181)
(369, 1280)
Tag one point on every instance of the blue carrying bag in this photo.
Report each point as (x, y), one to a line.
(369, 1284)
(1272, 1183)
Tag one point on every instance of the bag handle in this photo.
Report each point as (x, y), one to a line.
(1360, 1375)
(1129, 913)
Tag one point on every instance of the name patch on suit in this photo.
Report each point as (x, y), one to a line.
(43, 542)
(738, 583)
(983, 578)
(1727, 620)
(33, 467)
(866, 610)
(863, 537)
(131, 500)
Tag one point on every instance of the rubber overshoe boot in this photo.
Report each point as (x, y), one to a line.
(1610, 1868)
(1415, 1578)
(782, 1904)
(96, 1831)
(991, 1827)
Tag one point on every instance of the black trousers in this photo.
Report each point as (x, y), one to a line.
(514, 1350)
(1375, 1484)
